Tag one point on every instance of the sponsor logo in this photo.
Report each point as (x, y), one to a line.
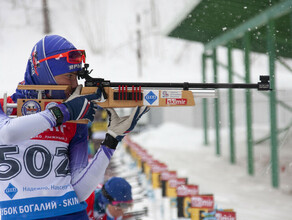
(167, 175)
(187, 190)
(158, 168)
(151, 97)
(61, 133)
(182, 190)
(74, 66)
(171, 94)
(202, 202)
(173, 183)
(60, 56)
(30, 107)
(164, 94)
(221, 215)
(11, 191)
(176, 101)
(193, 190)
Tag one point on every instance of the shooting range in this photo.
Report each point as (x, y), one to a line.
(216, 143)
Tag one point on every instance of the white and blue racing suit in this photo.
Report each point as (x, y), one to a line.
(44, 170)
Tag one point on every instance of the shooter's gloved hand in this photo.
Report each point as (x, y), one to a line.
(77, 93)
(119, 127)
(82, 107)
(79, 107)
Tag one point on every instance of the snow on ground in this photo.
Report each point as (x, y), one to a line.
(182, 150)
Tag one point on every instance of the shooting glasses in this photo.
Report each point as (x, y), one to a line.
(118, 204)
(73, 56)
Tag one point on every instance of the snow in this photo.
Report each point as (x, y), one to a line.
(111, 51)
(252, 197)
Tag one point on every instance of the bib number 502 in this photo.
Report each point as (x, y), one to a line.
(11, 167)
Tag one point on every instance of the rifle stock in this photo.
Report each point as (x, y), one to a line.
(115, 99)
(134, 97)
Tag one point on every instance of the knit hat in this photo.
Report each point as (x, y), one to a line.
(116, 190)
(43, 73)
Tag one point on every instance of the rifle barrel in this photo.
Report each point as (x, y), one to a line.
(263, 84)
(187, 85)
(205, 93)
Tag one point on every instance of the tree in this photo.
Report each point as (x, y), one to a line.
(47, 26)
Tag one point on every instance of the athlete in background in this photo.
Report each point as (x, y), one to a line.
(44, 169)
(111, 200)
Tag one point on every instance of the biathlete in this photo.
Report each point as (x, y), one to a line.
(44, 168)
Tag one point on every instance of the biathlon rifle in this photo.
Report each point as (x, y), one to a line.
(132, 94)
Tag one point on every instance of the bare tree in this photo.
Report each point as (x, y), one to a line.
(139, 46)
(93, 22)
(47, 26)
(153, 10)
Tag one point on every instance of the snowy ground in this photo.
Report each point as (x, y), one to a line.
(165, 59)
(251, 197)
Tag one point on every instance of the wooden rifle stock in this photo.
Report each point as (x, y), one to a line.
(124, 98)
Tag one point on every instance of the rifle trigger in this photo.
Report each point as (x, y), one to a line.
(102, 90)
(104, 93)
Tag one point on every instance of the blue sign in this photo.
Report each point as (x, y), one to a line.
(151, 97)
(11, 191)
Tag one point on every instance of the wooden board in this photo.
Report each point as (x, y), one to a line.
(31, 106)
(44, 87)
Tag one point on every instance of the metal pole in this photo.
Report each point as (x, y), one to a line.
(248, 105)
(291, 25)
(231, 106)
(205, 103)
(216, 106)
(5, 103)
(273, 110)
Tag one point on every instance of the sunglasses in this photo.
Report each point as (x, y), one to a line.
(119, 204)
(73, 56)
